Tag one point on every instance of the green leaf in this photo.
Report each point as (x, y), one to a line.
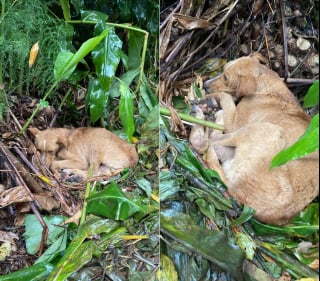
(302, 230)
(206, 208)
(168, 185)
(62, 58)
(309, 216)
(93, 16)
(58, 246)
(306, 144)
(312, 96)
(63, 69)
(246, 244)
(97, 99)
(168, 271)
(112, 203)
(135, 45)
(38, 271)
(125, 78)
(34, 230)
(212, 245)
(79, 252)
(43, 103)
(106, 57)
(245, 215)
(126, 110)
(145, 185)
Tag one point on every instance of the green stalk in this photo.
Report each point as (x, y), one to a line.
(292, 265)
(38, 108)
(188, 118)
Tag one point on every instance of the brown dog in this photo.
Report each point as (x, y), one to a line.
(266, 120)
(72, 151)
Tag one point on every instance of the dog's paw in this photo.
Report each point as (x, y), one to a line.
(197, 112)
(68, 175)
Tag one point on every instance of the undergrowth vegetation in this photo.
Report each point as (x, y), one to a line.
(97, 65)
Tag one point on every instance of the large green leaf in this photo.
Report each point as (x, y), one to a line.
(126, 110)
(306, 144)
(106, 57)
(34, 230)
(312, 96)
(135, 42)
(212, 245)
(60, 62)
(97, 99)
(35, 272)
(64, 70)
(112, 203)
(125, 78)
(79, 252)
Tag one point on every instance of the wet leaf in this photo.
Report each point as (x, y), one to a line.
(66, 62)
(79, 252)
(135, 42)
(93, 16)
(246, 244)
(106, 57)
(291, 230)
(212, 245)
(112, 203)
(168, 185)
(167, 271)
(34, 272)
(245, 215)
(97, 98)
(145, 185)
(126, 110)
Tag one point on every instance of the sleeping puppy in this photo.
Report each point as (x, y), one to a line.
(266, 120)
(70, 152)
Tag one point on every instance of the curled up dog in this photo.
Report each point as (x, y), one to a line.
(70, 152)
(266, 119)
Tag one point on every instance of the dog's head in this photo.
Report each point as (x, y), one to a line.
(239, 77)
(48, 142)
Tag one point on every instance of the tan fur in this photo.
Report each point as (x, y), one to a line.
(74, 150)
(266, 120)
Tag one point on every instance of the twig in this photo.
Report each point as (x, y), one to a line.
(285, 42)
(32, 204)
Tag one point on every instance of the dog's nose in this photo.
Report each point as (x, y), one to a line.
(207, 83)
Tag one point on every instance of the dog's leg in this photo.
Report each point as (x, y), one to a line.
(212, 156)
(68, 165)
(199, 134)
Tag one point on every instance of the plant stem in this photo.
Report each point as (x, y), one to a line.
(188, 118)
(38, 108)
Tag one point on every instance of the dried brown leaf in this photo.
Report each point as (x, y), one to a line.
(14, 195)
(190, 23)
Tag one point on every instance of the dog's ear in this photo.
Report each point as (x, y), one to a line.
(33, 131)
(247, 85)
(260, 58)
(62, 140)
